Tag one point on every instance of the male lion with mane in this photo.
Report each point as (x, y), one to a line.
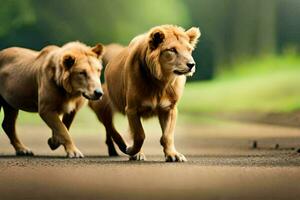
(51, 82)
(147, 79)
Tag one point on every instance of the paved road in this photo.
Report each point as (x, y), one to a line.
(221, 165)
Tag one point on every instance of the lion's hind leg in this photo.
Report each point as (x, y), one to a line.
(9, 127)
(104, 112)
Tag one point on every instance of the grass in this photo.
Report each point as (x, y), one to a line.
(270, 84)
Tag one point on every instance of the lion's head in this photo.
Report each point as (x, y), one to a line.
(170, 50)
(81, 70)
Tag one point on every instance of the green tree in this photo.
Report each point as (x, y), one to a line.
(15, 14)
(35, 23)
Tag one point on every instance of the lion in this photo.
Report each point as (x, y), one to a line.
(53, 82)
(144, 80)
(111, 50)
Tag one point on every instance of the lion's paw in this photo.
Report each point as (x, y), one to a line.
(175, 157)
(138, 157)
(53, 144)
(74, 153)
(24, 152)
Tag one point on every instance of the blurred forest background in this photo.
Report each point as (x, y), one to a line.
(248, 48)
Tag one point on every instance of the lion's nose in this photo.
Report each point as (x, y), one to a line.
(98, 93)
(190, 65)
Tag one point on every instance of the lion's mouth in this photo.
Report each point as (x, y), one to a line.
(90, 97)
(187, 72)
(86, 96)
(177, 72)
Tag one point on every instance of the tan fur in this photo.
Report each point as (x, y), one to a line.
(147, 79)
(50, 82)
(111, 51)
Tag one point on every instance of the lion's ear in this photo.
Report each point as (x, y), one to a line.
(194, 35)
(98, 49)
(68, 61)
(157, 36)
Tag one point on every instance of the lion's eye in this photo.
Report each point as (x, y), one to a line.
(83, 73)
(172, 50)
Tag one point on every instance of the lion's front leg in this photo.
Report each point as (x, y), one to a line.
(167, 120)
(137, 132)
(60, 133)
(68, 118)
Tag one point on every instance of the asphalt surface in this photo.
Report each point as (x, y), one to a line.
(221, 165)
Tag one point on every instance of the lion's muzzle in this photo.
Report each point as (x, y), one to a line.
(97, 94)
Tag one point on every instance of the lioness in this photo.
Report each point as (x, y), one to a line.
(146, 79)
(111, 50)
(52, 83)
